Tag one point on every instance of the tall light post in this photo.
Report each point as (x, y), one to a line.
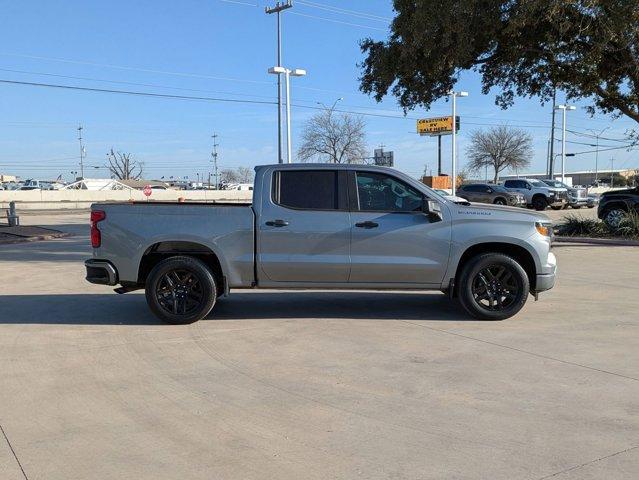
(563, 109)
(454, 96)
(288, 73)
(597, 135)
(330, 110)
(82, 151)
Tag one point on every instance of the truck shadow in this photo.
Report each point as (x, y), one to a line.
(131, 309)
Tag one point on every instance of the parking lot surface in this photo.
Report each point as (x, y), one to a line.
(315, 385)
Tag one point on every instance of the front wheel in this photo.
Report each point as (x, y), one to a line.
(500, 201)
(539, 203)
(180, 290)
(493, 286)
(614, 216)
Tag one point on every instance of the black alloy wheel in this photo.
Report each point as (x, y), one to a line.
(495, 287)
(492, 286)
(181, 290)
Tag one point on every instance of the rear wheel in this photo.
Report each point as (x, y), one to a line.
(493, 286)
(539, 203)
(613, 216)
(180, 290)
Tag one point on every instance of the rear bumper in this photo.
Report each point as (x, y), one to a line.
(101, 272)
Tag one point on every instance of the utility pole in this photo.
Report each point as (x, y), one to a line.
(454, 96)
(551, 161)
(81, 151)
(278, 8)
(214, 155)
(563, 109)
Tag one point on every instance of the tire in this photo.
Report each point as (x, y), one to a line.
(539, 203)
(500, 201)
(180, 290)
(557, 207)
(480, 301)
(613, 216)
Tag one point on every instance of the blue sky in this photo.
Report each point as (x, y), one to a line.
(222, 49)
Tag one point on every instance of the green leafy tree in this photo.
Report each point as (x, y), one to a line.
(588, 49)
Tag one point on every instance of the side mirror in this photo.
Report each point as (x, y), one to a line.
(490, 190)
(432, 209)
(529, 186)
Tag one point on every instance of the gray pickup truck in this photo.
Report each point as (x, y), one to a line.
(321, 227)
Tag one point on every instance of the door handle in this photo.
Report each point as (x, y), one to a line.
(277, 223)
(367, 225)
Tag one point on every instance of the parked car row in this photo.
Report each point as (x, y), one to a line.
(529, 192)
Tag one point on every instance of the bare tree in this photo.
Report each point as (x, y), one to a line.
(123, 167)
(499, 149)
(245, 175)
(239, 175)
(229, 175)
(331, 138)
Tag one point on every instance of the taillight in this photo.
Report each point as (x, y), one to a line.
(96, 237)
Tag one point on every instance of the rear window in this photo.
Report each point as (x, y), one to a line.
(306, 189)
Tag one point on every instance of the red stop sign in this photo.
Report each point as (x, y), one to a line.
(147, 190)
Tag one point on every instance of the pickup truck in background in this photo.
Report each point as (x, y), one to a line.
(323, 227)
(538, 195)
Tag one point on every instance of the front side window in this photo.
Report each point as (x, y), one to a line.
(306, 189)
(383, 193)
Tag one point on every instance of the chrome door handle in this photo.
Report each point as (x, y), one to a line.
(277, 223)
(367, 225)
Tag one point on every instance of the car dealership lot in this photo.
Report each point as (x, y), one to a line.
(315, 384)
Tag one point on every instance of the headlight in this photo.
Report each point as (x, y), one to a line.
(544, 228)
(552, 194)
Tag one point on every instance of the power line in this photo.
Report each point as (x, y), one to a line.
(344, 11)
(338, 21)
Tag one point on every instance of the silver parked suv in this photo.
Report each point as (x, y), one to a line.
(538, 195)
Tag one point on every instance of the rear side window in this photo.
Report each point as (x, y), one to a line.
(306, 189)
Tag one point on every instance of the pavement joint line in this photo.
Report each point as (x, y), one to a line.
(539, 355)
(13, 452)
(575, 467)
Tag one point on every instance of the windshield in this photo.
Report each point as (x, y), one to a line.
(537, 183)
(555, 183)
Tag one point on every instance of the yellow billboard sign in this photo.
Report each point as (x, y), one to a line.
(436, 126)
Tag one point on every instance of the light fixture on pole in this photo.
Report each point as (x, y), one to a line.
(454, 96)
(288, 73)
(563, 109)
(597, 135)
(330, 110)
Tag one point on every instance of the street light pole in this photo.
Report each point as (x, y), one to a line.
(454, 96)
(563, 109)
(298, 72)
(597, 135)
(81, 151)
(278, 8)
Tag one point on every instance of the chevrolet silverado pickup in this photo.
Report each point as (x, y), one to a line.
(323, 227)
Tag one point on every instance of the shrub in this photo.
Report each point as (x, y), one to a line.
(629, 226)
(577, 226)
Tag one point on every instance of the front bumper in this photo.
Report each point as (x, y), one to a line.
(545, 281)
(580, 202)
(101, 272)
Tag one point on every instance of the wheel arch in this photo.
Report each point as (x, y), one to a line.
(160, 250)
(523, 256)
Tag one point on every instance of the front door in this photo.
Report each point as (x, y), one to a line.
(392, 240)
(304, 228)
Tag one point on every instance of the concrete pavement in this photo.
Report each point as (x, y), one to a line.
(292, 385)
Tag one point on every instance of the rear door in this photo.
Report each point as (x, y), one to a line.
(393, 241)
(304, 228)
